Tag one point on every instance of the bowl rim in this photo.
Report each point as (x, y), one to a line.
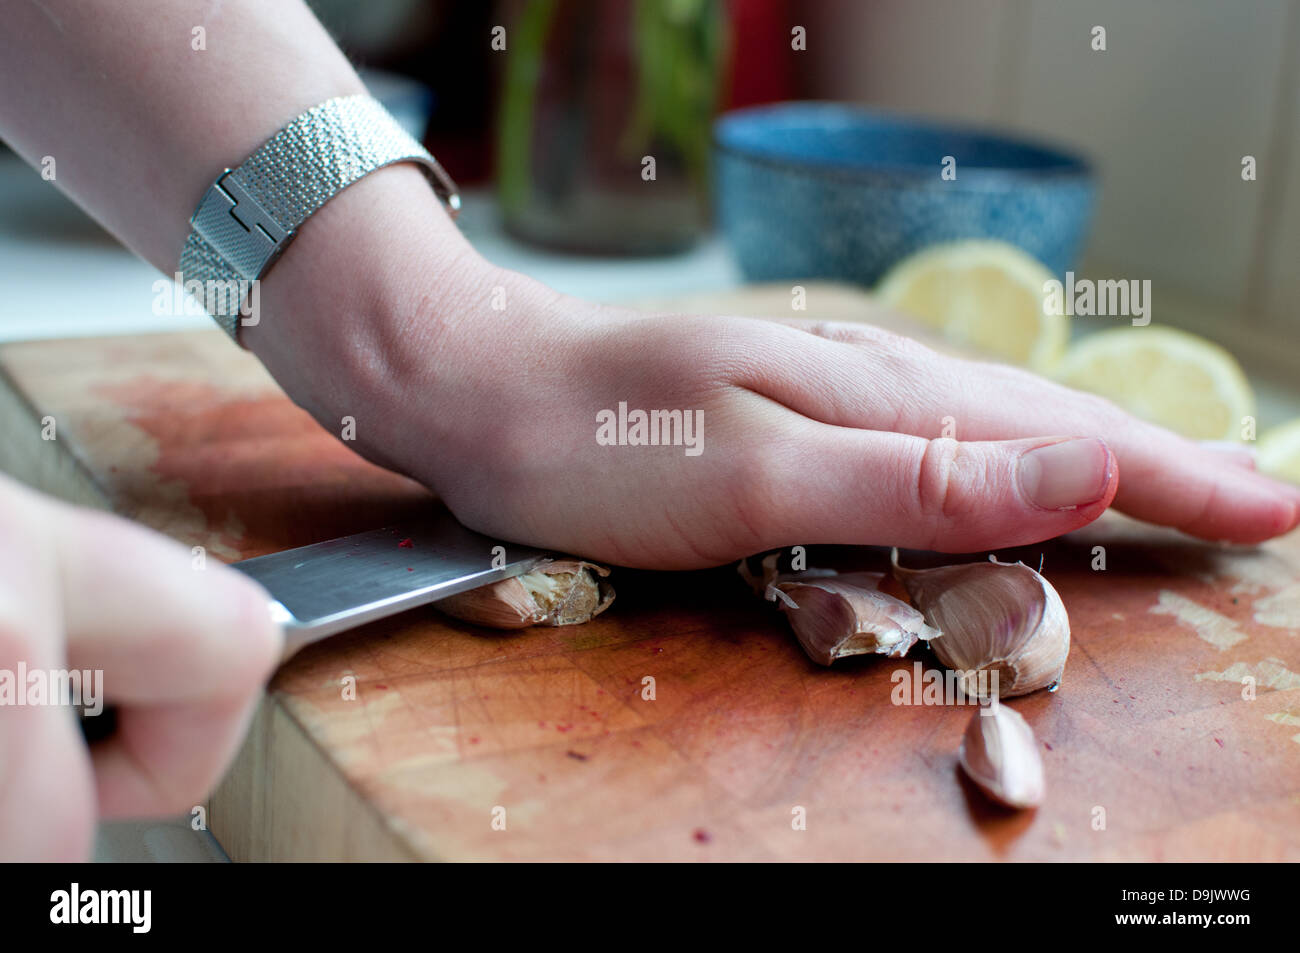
(1069, 165)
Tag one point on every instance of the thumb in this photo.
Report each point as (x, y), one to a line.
(860, 487)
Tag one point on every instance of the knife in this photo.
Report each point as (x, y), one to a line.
(325, 588)
(330, 587)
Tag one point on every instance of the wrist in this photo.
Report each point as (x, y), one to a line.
(360, 291)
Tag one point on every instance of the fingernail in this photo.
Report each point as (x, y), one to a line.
(1064, 475)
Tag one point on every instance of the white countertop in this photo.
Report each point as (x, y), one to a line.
(64, 276)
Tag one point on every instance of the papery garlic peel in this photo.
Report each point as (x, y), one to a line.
(995, 617)
(764, 584)
(558, 592)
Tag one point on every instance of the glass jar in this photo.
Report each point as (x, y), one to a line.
(603, 133)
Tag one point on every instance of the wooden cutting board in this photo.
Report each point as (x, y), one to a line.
(1151, 750)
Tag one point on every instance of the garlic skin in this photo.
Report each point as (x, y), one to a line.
(764, 585)
(1000, 754)
(558, 592)
(767, 569)
(1002, 618)
(835, 615)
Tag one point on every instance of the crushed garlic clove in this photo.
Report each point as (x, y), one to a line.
(559, 592)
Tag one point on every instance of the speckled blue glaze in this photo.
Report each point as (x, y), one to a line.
(822, 190)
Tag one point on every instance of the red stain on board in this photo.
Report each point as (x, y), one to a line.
(406, 544)
(1218, 742)
(473, 740)
(252, 501)
(701, 836)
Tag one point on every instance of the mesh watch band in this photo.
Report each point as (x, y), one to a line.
(249, 215)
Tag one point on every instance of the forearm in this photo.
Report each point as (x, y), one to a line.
(140, 123)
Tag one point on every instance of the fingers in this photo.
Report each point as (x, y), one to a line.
(1235, 453)
(840, 485)
(857, 376)
(164, 759)
(135, 604)
(184, 653)
(1167, 479)
(47, 806)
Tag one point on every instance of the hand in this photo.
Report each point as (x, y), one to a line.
(813, 432)
(183, 652)
(820, 433)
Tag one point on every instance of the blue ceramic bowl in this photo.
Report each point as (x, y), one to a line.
(821, 190)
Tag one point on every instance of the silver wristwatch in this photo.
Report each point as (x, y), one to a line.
(249, 215)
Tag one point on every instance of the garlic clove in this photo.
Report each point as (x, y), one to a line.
(502, 605)
(558, 592)
(1000, 754)
(570, 591)
(1001, 618)
(845, 614)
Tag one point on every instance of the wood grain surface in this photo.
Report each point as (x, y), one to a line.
(1152, 730)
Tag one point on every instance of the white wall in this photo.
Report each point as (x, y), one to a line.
(1183, 91)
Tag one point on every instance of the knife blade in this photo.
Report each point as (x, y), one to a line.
(330, 587)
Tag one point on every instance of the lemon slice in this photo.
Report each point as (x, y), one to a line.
(1278, 453)
(983, 294)
(1171, 378)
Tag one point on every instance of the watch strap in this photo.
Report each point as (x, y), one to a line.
(250, 214)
